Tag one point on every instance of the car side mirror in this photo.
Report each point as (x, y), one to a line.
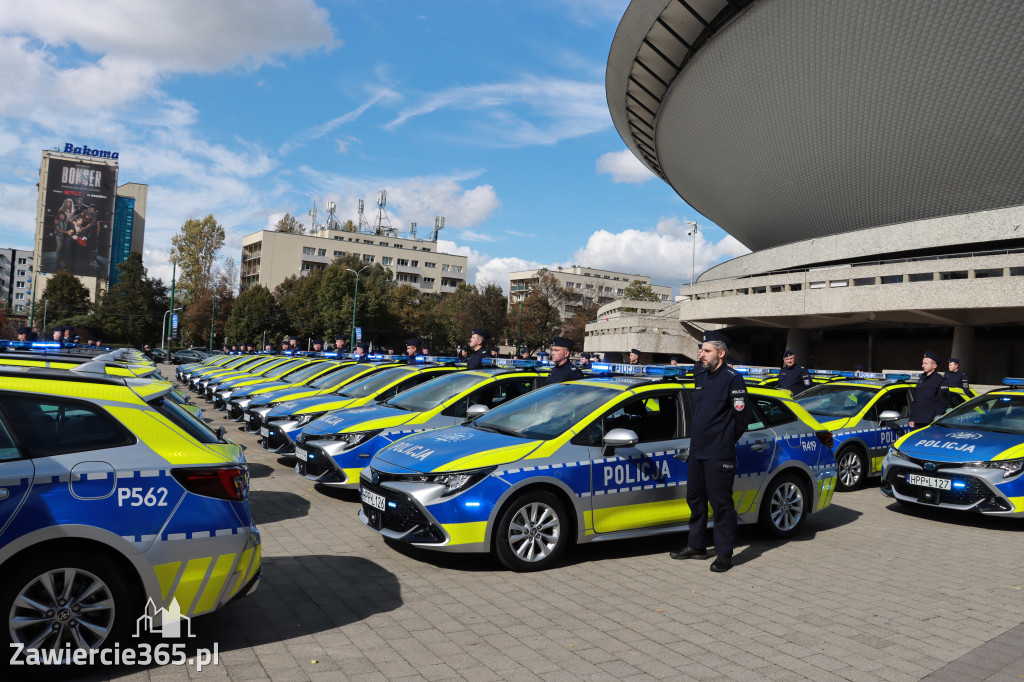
(475, 412)
(220, 433)
(619, 438)
(888, 416)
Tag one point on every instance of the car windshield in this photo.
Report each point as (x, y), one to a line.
(185, 421)
(434, 392)
(834, 400)
(304, 374)
(281, 369)
(546, 413)
(372, 384)
(338, 376)
(990, 412)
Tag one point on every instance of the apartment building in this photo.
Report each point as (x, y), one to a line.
(593, 285)
(16, 279)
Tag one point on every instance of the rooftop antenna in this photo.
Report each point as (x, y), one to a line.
(438, 226)
(315, 227)
(362, 225)
(332, 220)
(412, 230)
(383, 224)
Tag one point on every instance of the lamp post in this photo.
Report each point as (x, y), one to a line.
(355, 303)
(163, 327)
(693, 257)
(213, 316)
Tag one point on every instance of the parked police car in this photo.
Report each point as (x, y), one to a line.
(586, 461)
(971, 459)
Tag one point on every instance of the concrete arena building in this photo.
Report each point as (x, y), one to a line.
(870, 153)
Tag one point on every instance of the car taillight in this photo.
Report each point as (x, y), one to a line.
(825, 437)
(224, 483)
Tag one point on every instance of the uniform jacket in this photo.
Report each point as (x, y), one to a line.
(795, 379)
(957, 380)
(931, 399)
(721, 412)
(476, 359)
(564, 372)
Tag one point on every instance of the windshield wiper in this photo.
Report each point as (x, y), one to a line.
(498, 429)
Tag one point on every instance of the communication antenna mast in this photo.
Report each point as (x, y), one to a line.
(438, 226)
(362, 225)
(315, 226)
(412, 230)
(332, 220)
(383, 224)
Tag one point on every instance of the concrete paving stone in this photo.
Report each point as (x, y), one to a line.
(246, 671)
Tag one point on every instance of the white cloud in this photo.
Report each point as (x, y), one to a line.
(623, 166)
(484, 269)
(319, 131)
(531, 110)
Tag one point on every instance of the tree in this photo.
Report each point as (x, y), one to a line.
(541, 321)
(220, 292)
(639, 291)
(131, 311)
(575, 327)
(298, 298)
(349, 226)
(337, 291)
(195, 249)
(290, 225)
(65, 296)
(254, 313)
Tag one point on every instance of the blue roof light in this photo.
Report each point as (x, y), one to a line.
(1013, 381)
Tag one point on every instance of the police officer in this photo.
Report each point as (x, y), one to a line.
(339, 343)
(58, 335)
(284, 345)
(634, 357)
(793, 377)
(584, 360)
(475, 359)
(954, 377)
(563, 369)
(360, 351)
(23, 333)
(524, 354)
(412, 347)
(673, 361)
(318, 346)
(931, 394)
(720, 416)
(268, 348)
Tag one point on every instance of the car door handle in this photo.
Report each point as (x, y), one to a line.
(759, 446)
(683, 454)
(4, 493)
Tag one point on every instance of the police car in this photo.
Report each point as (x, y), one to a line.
(279, 422)
(268, 371)
(971, 459)
(865, 415)
(112, 496)
(587, 461)
(184, 372)
(337, 374)
(47, 354)
(298, 376)
(233, 364)
(334, 448)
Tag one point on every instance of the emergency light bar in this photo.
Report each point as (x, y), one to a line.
(1013, 381)
(638, 370)
(742, 369)
(823, 372)
(436, 359)
(509, 363)
(897, 377)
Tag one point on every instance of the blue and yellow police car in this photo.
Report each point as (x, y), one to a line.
(586, 461)
(971, 459)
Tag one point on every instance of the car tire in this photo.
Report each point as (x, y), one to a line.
(90, 579)
(853, 468)
(785, 506)
(532, 532)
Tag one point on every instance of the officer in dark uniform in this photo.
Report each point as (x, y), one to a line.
(524, 354)
(318, 346)
(58, 335)
(23, 333)
(360, 351)
(339, 343)
(563, 369)
(720, 416)
(634, 356)
(954, 377)
(475, 359)
(793, 377)
(584, 360)
(412, 347)
(268, 348)
(931, 394)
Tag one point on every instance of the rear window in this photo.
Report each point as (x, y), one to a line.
(185, 421)
(48, 426)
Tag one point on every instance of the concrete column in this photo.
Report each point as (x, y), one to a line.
(963, 348)
(796, 341)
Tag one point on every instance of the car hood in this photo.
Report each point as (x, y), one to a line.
(367, 418)
(253, 388)
(283, 393)
(314, 403)
(455, 448)
(945, 444)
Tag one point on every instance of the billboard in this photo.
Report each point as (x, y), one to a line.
(77, 208)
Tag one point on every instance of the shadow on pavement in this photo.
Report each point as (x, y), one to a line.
(257, 470)
(952, 517)
(268, 506)
(341, 494)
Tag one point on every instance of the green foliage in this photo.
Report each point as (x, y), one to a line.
(65, 296)
(575, 327)
(290, 225)
(300, 312)
(215, 302)
(195, 249)
(349, 226)
(255, 311)
(337, 294)
(541, 321)
(639, 291)
(131, 311)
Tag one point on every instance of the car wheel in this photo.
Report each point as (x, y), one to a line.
(532, 532)
(784, 506)
(70, 599)
(853, 469)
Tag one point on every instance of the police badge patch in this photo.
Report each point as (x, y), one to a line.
(807, 381)
(738, 404)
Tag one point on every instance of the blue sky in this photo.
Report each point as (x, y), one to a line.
(492, 114)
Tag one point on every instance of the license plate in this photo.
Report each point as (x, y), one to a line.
(264, 431)
(929, 482)
(373, 499)
(300, 453)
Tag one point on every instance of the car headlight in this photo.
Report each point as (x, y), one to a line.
(454, 482)
(225, 394)
(893, 452)
(1010, 467)
(243, 402)
(306, 418)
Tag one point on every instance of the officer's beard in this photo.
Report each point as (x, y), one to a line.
(711, 364)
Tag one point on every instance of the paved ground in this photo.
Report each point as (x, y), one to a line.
(869, 591)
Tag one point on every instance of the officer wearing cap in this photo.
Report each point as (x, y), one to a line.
(563, 369)
(584, 360)
(23, 333)
(67, 335)
(58, 335)
(268, 348)
(720, 416)
(360, 351)
(475, 360)
(674, 361)
(412, 347)
(524, 354)
(931, 394)
(318, 346)
(954, 377)
(634, 356)
(339, 343)
(293, 343)
(793, 377)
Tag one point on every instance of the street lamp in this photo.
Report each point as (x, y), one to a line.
(355, 302)
(213, 316)
(163, 327)
(693, 257)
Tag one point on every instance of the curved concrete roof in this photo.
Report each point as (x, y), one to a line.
(785, 121)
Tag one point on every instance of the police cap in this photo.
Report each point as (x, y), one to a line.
(934, 357)
(956, 360)
(717, 336)
(585, 355)
(482, 333)
(363, 344)
(293, 338)
(318, 342)
(339, 337)
(788, 353)
(413, 341)
(634, 351)
(562, 342)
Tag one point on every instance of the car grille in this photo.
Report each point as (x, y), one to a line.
(401, 514)
(254, 422)
(973, 492)
(318, 462)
